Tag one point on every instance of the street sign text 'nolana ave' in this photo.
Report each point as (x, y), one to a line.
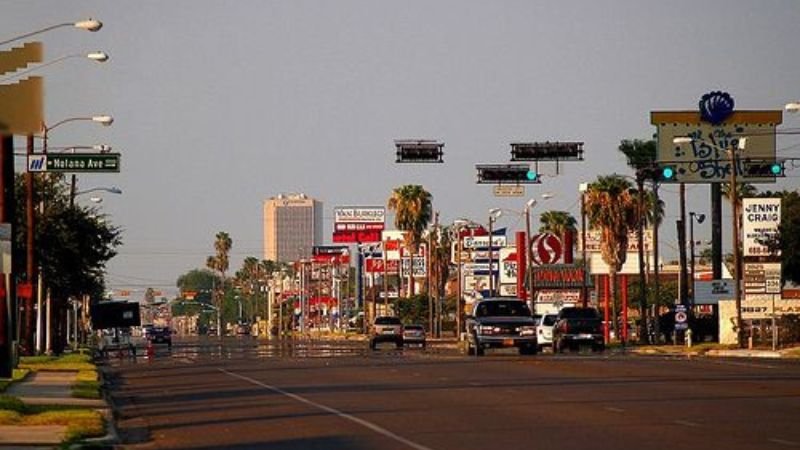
(74, 162)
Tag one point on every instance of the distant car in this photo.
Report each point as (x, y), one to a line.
(544, 330)
(498, 323)
(578, 326)
(161, 335)
(242, 329)
(414, 334)
(386, 329)
(212, 331)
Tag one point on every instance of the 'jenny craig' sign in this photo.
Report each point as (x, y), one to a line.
(761, 218)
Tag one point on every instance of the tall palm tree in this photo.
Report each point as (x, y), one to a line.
(612, 208)
(413, 211)
(220, 262)
(641, 155)
(557, 222)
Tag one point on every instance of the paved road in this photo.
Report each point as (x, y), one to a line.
(243, 394)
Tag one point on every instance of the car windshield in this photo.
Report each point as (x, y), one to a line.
(579, 313)
(387, 321)
(413, 327)
(549, 320)
(502, 308)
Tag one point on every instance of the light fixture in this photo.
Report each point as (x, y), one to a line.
(103, 120)
(89, 24)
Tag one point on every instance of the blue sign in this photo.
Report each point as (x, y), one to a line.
(715, 107)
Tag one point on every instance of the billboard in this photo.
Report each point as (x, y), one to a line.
(357, 224)
(704, 160)
(761, 218)
(360, 214)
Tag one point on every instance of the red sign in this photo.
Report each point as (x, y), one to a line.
(559, 276)
(358, 226)
(25, 290)
(331, 259)
(376, 265)
(546, 249)
(357, 236)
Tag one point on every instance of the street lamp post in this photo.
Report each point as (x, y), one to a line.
(494, 214)
(97, 56)
(87, 24)
(693, 216)
(529, 252)
(734, 197)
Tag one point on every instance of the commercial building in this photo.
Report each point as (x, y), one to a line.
(292, 227)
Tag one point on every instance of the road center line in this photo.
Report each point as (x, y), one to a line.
(613, 409)
(687, 423)
(784, 442)
(376, 428)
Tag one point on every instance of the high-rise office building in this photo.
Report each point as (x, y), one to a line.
(292, 227)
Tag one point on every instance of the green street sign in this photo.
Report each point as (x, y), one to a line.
(74, 162)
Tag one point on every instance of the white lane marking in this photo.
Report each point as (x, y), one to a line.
(784, 442)
(376, 428)
(613, 409)
(472, 383)
(686, 423)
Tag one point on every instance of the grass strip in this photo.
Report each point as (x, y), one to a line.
(80, 423)
(17, 375)
(71, 362)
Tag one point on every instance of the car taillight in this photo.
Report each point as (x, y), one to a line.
(564, 327)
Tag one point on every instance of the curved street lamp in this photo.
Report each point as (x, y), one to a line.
(734, 196)
(86, 24)
(96, 56)
(112, 189)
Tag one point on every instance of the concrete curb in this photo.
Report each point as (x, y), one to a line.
(744, 353)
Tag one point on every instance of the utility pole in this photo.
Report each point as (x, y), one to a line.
(7, 308)
(640, 238)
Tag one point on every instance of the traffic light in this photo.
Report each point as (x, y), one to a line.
(419, 151)
(763, 169)
(667, 173)
(547, 151)
(507, 173)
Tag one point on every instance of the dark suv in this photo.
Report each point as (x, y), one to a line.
(578, 326)
(160, 335)
(501, 322)
(386, 329)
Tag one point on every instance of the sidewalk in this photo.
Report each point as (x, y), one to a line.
(43, 388)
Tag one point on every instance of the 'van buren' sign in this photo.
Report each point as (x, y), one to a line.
(558, 276)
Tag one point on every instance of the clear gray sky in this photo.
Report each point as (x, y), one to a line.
(221, 104)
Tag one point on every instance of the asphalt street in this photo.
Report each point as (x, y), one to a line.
(243, 393)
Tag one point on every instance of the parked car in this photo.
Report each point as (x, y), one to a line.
(578, 326)
(498, 323)
(414, 334)
(386, 329)
(544, 330)
(161, 335)
(243, 329)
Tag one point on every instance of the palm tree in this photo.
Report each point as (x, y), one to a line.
(611, 207)
(412, 206)
(220, 262)
(557, 222)
(641, 155)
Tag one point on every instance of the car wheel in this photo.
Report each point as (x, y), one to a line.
(478, 350)
(526, 350)
(600, 348)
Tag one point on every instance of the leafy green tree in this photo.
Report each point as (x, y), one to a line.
(413, 212)
(72, 246)
(788, 237)
(641, 155)
(413, 309)
(612, 208)
(557, 222)
(220, 262)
